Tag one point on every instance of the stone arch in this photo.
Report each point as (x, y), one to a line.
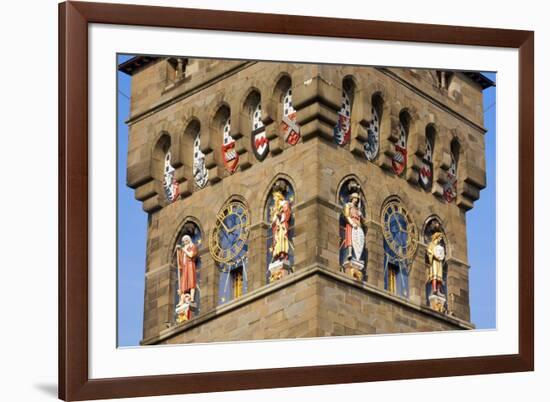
(281, 108)
(443, 223)
(350, 84)
(344, 180)
(210, 137)
(280, 84)
(426, 153)
(251, 98)
(179, 231)
(162, 143)
(268, 188)
(387, 200)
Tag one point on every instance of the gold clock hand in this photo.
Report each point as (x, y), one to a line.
(234, 227)
(221, 221)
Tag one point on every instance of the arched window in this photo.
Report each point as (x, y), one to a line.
(400, 242)
(260, 143)
(436, 261)
(444, 79)
(399, 162)
(229, 247)
(450, 188)
(353, 253)
(187, 260)
(342, 130)
(425, 178)
(222, 122)
(280, 232)
(372, 144)
(162, 166)
(200, 173)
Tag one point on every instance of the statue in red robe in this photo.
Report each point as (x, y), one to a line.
(187, 273)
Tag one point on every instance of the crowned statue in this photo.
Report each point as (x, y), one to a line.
(280, 217)
(280, 222)
(436, 255)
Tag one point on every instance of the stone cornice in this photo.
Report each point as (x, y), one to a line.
(298, 276)
(431, 99)
(186, 94)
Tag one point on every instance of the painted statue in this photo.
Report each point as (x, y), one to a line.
(436, 260)
(280, 214)
(187, 273)
(354, 237)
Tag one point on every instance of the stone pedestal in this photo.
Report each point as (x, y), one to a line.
(184, 311)
(278, 270)
(354, 269)
(437, 303)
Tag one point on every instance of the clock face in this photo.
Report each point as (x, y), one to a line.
(399, 230)
(230, 234)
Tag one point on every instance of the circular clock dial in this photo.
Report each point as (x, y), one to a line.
(230, 233)
(399, 230)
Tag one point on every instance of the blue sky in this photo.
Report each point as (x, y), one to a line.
(132, 232)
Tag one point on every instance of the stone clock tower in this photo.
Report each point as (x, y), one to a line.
(301, 200)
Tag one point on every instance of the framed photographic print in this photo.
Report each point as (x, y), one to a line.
(260, 200)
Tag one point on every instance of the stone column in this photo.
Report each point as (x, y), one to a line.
(458, 295)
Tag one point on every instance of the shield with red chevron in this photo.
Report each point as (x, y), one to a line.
(260, 143)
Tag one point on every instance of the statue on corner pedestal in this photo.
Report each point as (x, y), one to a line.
(436, 259)
(353, 241)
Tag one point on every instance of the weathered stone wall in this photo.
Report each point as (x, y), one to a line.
(315, 302)
(315, 167)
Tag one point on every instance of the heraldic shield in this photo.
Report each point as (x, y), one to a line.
(399, 160)
(426, 175)
(289, 126)
(358, 242)
(260, 143)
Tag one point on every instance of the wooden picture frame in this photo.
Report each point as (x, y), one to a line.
(74, 381)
